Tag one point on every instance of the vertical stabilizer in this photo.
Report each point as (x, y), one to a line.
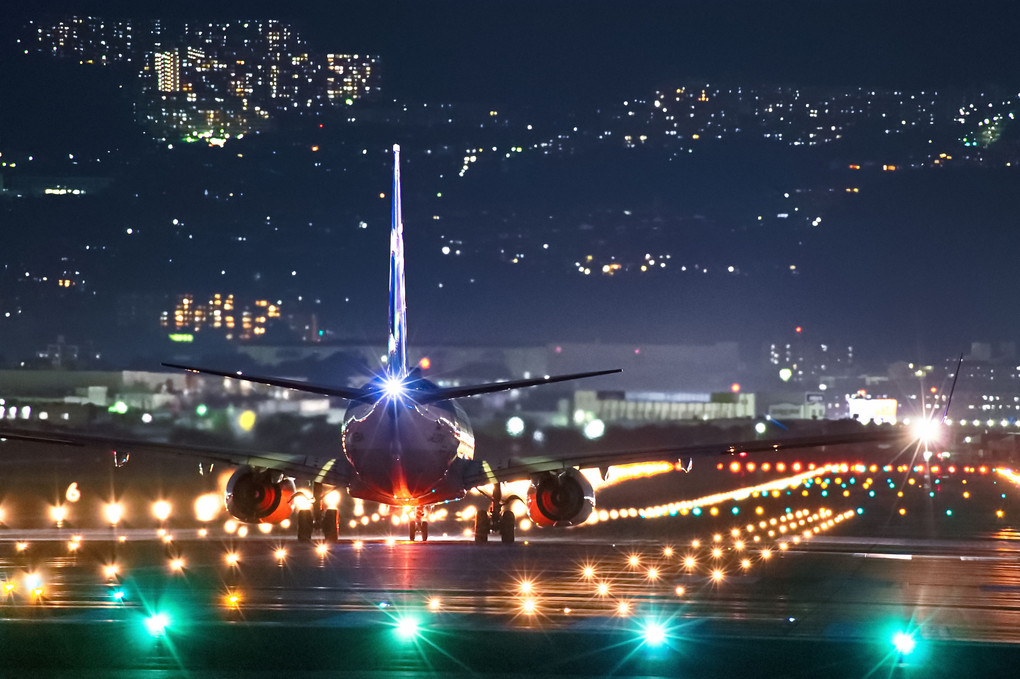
(397, 359)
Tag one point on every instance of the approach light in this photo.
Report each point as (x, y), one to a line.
(927, 429)
(161, 510)
(113, 512)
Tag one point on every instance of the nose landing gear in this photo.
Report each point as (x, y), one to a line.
(418, 525)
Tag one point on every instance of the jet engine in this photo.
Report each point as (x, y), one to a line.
(563, 498)
(259, 495)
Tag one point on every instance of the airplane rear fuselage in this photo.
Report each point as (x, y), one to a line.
(404, 453)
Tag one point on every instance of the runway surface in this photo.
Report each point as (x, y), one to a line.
(825, 594)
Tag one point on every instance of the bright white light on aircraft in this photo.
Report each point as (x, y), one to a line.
(760, 428)
(515, 426)
(394, 387)
(332, 499)
(242, 531)
(161, 510)
(265, 528)
(113, 513)
(594, 429)
(207, 507)
(230, 526)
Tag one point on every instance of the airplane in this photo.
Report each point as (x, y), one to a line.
(405, 442)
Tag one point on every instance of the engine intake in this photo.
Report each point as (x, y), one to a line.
(560, 498)
(259, 495)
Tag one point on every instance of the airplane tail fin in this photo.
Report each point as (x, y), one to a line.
(396, 366)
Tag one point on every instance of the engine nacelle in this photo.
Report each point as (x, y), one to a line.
(259, 495)
(560, 498)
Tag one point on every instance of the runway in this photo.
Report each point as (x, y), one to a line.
(826, 592)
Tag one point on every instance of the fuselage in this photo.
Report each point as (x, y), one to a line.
(406, 453)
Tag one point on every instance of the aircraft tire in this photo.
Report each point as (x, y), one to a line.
(482, 526)
(331, 525)
(507, 523)
(304, 525)
(424, 531)
(412, 529)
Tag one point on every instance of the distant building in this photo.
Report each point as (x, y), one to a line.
(350, 76)
(168, 71)
(221, 314)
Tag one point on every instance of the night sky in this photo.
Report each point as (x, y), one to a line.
(574, 49)
(941, 278)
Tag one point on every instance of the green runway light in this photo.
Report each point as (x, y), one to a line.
(201, 409)
(157, 623)
(407, 627)
(904, 643)
(654, 633)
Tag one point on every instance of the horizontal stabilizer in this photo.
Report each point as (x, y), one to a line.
(339, 392)
(429, 394)
(474, 390)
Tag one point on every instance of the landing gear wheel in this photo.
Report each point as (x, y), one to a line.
(482, 527)
(424, 531)
(412, 530)
(507, 523)
(304, 525)
(331, 525)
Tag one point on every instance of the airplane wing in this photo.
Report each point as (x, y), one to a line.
(522, 468)
(332, 471)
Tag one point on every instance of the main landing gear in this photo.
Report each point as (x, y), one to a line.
(418, 525)
(318, 517)
(499, 519)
